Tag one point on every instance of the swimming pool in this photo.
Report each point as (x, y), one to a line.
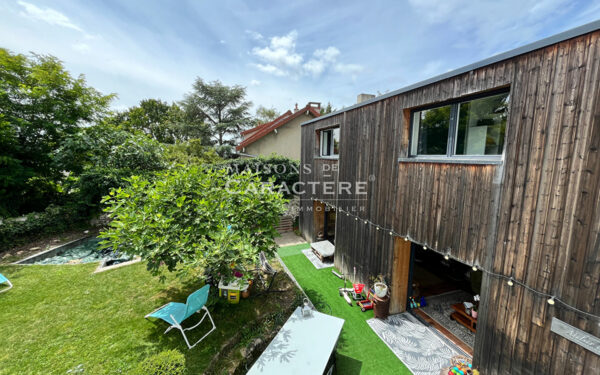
(85, 250)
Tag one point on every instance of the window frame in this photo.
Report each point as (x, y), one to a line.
(453, 132)
(331, 145)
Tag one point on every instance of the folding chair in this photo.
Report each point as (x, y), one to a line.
(175, 313)
(4, 280)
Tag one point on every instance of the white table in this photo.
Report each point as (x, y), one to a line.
(302, 346)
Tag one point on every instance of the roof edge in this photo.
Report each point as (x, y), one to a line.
(542, 43)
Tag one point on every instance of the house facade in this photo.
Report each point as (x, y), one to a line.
(280, 136)
(494, 167)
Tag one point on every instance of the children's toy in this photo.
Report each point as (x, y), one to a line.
(344, 291)
(367, 304)
(355, 291)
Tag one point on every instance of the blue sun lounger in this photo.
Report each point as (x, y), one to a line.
(175, 313)
(4, 280)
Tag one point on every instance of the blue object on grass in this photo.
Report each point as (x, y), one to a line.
(175, 313)
(4, 280)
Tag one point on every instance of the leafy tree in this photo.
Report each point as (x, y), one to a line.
(192, 152)
(161, 121)
(198, 218)
(223, 108)
(327, 109)
(40, 105)
(102, 156)
(264, 115)
(284, 171)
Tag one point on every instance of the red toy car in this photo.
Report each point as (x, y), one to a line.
(368, 303)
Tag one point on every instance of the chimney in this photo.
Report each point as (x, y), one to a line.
(316, 105)
(296, 108)
(364, 97)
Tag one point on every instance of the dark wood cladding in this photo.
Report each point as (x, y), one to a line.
(535, 217)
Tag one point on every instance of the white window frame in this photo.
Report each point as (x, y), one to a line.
(329, 150)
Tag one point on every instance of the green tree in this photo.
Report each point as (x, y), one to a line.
(192, 152)
(161, 121)
(264, 115)
(327, 109)
(101, 157)
(40, 105)
(224, 109)
(198, 218)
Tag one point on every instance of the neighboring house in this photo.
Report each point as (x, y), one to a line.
(494, 166)
(280, 136)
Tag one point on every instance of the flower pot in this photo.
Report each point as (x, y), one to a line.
(246, 293)
(380, 290)
(474, 314)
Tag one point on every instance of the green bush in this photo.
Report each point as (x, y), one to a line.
(54, 219)
(283, 169)
(198, 217)
(168, 362)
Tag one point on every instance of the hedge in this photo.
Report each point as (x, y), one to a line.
(54, 219)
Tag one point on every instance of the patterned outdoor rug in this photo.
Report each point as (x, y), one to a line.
(439, 309)
(315, 260)
(418, 346)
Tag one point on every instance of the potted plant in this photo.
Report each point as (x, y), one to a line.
(474, 312)
(379, 286)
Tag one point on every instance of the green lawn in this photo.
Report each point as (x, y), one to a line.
(360, 351)
(57, 317)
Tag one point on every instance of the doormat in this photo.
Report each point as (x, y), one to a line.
(414, 343)
(315, 260)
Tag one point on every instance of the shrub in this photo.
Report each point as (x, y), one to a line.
(168, 362)
(283, 169)
(54, 219)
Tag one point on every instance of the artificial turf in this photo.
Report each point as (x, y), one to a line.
(360, 350)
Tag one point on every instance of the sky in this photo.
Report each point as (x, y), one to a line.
(283, 52)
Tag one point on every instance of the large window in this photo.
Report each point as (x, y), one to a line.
(330, 142)
(470, 127)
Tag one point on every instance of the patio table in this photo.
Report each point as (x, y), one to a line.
(304, 345)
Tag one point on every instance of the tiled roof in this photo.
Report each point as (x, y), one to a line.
(261, 130)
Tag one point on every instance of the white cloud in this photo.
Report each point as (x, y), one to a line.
(254, 35)
(48, 15)
(272, 69)
(281, 58)
(222, 41)
(255, 82)
(280, 55)
(314, 67)
(328, 54)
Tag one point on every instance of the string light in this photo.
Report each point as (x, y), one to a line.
(552, 300)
